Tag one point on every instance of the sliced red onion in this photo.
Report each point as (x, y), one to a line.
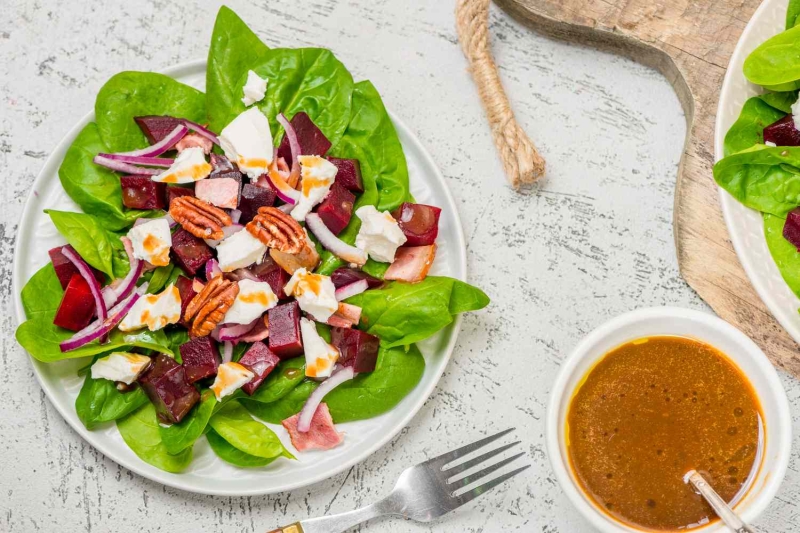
(235, 215)
(127, 168)
(120, 289)
(201, 130)
(100, 328)
(334, 244)
(234, 332)
(357, 287)
(140, 160)
(161, 146)
(227, 352)
(243, 273)
(294, 146)
(307, 413)
(286, 208)
(227, 231)
(259, 332)
(212, 269)
(86, 274)
(284, 191)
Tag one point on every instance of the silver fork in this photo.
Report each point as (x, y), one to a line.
(423, 492)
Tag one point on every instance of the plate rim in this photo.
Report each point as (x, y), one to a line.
(176, 481)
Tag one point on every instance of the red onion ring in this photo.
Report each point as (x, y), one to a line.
(334, 244)
(117, 291)
(127, 168)
(227, 231)
(201, 130)
(234, 332)
(161, 146)
(140, 160)
(86, 274)
(227, 352)
(100, 328)
(357, 287)
(294, 146)
(235, 215)
(307, 413)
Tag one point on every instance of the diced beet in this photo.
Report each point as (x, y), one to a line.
(272, 273)
(141, 192)
(337, 208)
(260, 361)
(156, 127)
(175, 191)
(186, 290)
(791, 228)
(348, 173)
(357, 348)
(77, 306)
(284, 330)
(345, 276)
(419, 222)
(189, 252)
(783, 132)
(200, 358)
(252, 198)
(310, 138)
(166, 386)
(65, 269)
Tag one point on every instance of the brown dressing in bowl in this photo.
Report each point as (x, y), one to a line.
(648, 412)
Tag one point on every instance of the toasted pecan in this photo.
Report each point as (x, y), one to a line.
(199, 218)
(209, 306)
(277, 230)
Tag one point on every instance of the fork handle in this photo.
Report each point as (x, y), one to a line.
(337, 523)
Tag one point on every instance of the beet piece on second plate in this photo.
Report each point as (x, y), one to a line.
(284, 330)
(141, 192)
(358, 349)
(345, 276)
(783, 132)
(310, 138)
(65, 269)
(348, 174)
(166, 386)
(272, 273)
(189, 252)
(187, 292)
(175, 191)
(791, 228)
(200, 358)
(252, 198)
(337, 208)
(156, 127)
(77, 306)
(419, 222)
(260, 361)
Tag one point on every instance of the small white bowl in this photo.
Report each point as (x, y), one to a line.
(686, 323)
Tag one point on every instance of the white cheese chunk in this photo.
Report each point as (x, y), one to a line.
(254, 298)
(230, 377)
(315, 294)
(770, 143)
(380, 235)
(796, 113)
(320, 356)
(240, 250)
(254, 89)
(120, 366)
(154, 311)
(247, 142)
(151, 241)
(189, 166)
(318, 174)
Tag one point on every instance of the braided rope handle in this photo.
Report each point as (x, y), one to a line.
(522, 163)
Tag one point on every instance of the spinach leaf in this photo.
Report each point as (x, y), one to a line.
(234, 50)
(280, 382)
(782, 101)
(99, 401)
(97, 246)
(178, 437)
(131, 94)
(42, 295)
(140, 431)
(748, 130)
(234, 424)
(159, 278)
(277, 411)
(792, 13)
(396, 374)
(775, 64)
(404, 313)
(784, 253)
(232, 455)
(176, 337)
(763, 178)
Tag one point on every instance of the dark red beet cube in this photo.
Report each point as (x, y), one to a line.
(310, 138)
(357, 348)
(189, 252)
(260, 361)
(200, 358)
(345, 276)
(77, 306)
(791, 228)
(187, 292)
(419, 222)
(782, 132)
(65, 269)
(175, 191)
(272, 273)
(348, 174)
(337, 208)
(252, 198)
(166, 385)
(284, 330)
(141, 192)
(156, 127)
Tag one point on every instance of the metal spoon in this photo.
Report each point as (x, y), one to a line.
(727, 515)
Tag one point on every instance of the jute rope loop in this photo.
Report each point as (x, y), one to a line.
(522, 163)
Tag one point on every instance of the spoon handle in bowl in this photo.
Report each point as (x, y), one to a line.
(719, 505)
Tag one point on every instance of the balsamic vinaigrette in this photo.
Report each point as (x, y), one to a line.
(648, 412)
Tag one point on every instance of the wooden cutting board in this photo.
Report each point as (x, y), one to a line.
(690, 42)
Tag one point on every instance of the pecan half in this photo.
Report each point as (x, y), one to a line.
(199, 218)
(209, 306)
(277, 230)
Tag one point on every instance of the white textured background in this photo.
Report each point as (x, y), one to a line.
(594, 240)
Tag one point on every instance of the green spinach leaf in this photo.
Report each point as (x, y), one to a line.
(233, 455)
(178, 437)
(99, 401)
(280, 382)
(748, 130)
(775, 64)
(41, 296)
(97, 246)
(159, 278)
(234, 424)
(784, 253)
(140, 431)
(782, 101)
(792, 13)
(279, 410)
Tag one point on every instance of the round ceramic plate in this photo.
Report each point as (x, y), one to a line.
(207, 474)
(745, 225)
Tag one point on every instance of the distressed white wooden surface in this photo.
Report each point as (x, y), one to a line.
(591, 242)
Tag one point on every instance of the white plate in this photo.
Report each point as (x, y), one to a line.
(745, 225)
(207, 474)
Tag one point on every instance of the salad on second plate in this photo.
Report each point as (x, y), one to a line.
(251, 251)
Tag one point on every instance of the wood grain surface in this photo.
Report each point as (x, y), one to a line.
(690, 42)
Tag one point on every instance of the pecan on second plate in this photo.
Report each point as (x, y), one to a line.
(208, 307)
(277, 230)
(199, 218)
